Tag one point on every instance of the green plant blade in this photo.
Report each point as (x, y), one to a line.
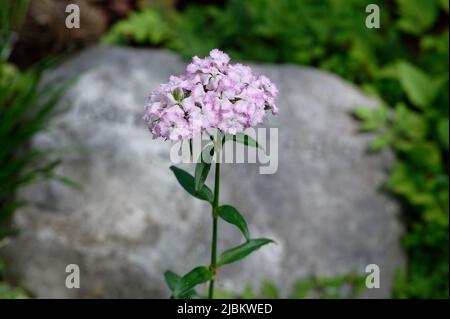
(7, 209)
(186, 180)
(269, 290)
(419, 87)
(203, 167)
(442, 130)
(193, 278)
(8, 233)
(244, 139)
(174, 281)
(237, 253)
(231, 215)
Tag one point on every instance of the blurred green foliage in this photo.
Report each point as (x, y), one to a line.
(25, 109)
(26, 106)
(345, 286)
(8, 292)
(405, 63)
(141, 28)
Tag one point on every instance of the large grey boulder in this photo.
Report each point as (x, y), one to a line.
(132, 221)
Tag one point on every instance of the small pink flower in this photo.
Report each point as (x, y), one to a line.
(211, 94)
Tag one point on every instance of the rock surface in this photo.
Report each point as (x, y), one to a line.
(132, 221)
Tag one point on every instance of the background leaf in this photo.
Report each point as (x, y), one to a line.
(419, 87)
(174, 282)
(269, 291)
(417, 16)
(443, 129)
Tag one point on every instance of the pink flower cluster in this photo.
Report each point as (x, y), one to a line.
(211, 94)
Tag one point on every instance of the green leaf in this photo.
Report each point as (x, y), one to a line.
(302, 289)
(224, 294)
(410, 124)
(244, 139)
(248, 293)
(269, 291)
(426, 156)
(237, 253)
(8, 208)
(420, 88)
(416, 83)
(8, 292)
(186, 180)
(177, 95)
(4, 233)
(172, 279)
(193, 278)
(442, 129)
(371, 119)
(231, 215)
(143, 27)
(380, 142)
(203, 167)
(416, 16)
(362, 113)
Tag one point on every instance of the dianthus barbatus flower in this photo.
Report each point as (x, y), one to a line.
(211, 94)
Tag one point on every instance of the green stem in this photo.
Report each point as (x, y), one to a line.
(214, 229)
